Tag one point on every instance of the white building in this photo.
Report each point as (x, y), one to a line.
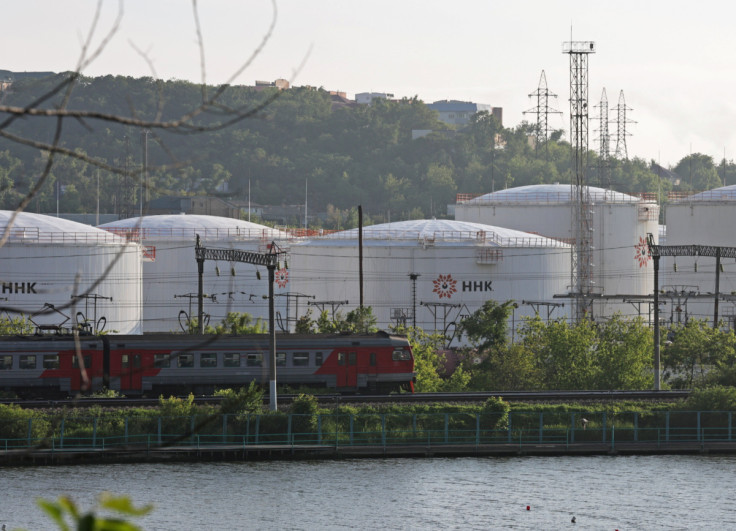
(432, 273)
(620, 224)
(707, 218)
(366, 98)
(170, 275)
(60, 273)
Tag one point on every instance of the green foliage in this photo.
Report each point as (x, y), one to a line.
(716, 398)
(698, 172)
(15, 325)
(624, 355)
(67, 516)
(699, 355)
(306, 409)
(14, 423)
(351, 155)
(357, 321)
(428, 363)
(177, 407)
(487, 326)
(239, 401)
(237, 323)
(305, 324)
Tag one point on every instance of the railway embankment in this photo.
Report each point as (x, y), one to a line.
(181, 430)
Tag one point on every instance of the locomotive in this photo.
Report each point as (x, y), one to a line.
(138, 365)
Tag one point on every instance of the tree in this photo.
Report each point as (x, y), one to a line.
(698, 172)
(695, 350)
(624, 355)
(564, 353)
(487, 327)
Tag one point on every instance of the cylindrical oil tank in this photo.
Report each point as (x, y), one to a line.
(170, 271)
(706, 218)
(60, 273)
(617, 227)
(431, 273)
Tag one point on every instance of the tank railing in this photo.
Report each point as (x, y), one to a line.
(142, 234)
(607, 196)
(522, 429)
(710, 195)
(34, 235)
(428, 239)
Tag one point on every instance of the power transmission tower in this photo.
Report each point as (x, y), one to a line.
(582, 258)
(621, 122)
(604, 142)
(542, 110)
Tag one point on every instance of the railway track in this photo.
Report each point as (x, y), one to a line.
(511, 396)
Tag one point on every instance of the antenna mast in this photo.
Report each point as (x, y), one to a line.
(582, 263)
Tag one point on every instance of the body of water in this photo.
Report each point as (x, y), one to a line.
(624, 493)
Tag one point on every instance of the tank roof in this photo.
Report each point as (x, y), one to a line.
(439, 232)
(550, 193)
(39, 228)
(724, 193)
(186, 227)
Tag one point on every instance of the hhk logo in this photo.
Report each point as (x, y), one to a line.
(445, 286)
(282, 277)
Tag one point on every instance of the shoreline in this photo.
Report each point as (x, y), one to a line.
(215, 453)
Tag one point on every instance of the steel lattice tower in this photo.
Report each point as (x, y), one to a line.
(542, 110)
(582, 262)
(621, 122)
(604, 142)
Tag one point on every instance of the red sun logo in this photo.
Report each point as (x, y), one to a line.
(642, 252)
(445, 286)
(282, 277)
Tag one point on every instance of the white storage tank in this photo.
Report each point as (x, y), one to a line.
(49, 263)
(170, 278)
(432, 273)
(707, 218)
(620, 222)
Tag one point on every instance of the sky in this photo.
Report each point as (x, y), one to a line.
(675, 61)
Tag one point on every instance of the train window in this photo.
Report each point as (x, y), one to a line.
(401, 355)
(161, 361)
(136, 361)
(231, 359)
(6, 362)
(341, 356)
(353, 358)
(300, 359)
(27, 361)
(50, 361)
(125, 361)
(185, 361)
(318, 359)
(208, 360)
(87, 361)
(254, 360)
(281, 359)
(373, 359)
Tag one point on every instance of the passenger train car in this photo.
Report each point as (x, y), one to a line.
(134, 365)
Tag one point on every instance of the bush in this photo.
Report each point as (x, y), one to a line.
(716, 398)
(305, 408)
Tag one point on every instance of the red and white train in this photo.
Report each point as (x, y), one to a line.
(134, 365)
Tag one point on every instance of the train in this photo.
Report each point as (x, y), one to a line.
(48, 366)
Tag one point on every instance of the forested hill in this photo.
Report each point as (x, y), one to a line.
(349, 154)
